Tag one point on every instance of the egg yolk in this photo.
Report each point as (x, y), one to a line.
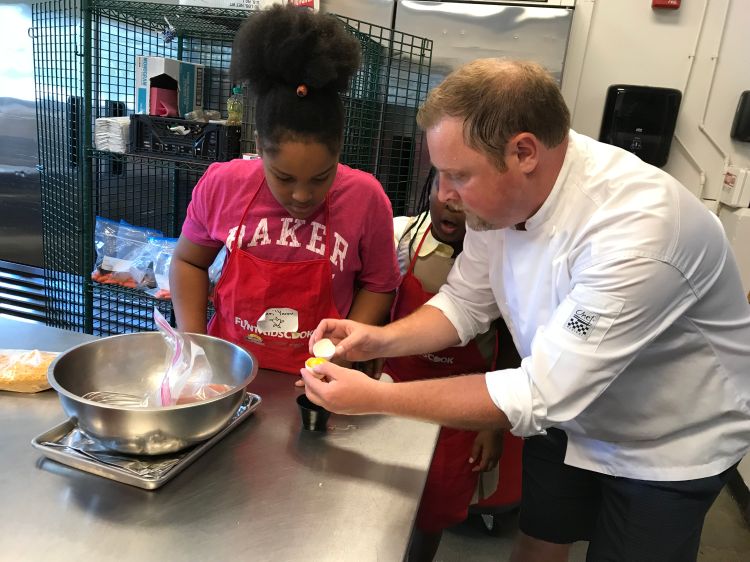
(312, 361)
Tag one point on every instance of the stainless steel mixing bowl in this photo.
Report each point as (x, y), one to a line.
(135, 364)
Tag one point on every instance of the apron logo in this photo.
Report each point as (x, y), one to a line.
(255, 333)
(254, 338)
(581, 323)
(438, 359)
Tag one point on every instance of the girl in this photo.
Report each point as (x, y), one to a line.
(427, 246)
(308, 238)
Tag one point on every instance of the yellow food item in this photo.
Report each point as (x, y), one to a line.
(312, 361)
(24, 370)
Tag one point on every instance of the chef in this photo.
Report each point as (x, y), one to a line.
(624, 301)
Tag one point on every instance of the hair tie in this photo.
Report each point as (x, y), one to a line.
(301, 91)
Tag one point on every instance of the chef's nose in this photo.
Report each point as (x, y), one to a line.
(446, 192)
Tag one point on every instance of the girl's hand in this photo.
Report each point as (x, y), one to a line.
(488, 446)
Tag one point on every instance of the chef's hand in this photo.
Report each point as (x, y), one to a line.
(340, 390)
(342, 362)
(354, 341)
(488, 446)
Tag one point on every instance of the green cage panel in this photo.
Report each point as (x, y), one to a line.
(84, 66)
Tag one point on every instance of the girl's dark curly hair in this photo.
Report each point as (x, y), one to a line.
(285, 47)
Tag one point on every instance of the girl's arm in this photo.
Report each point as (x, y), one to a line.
(188, 283)
(371, 308)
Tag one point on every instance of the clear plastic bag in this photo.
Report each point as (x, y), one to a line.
(188, 375)
(215, 269)
(162, 250)
(118, 247)
(142, 268)
(24, 370)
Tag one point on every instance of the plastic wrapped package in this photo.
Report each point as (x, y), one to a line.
(112, 134)
(24, 370)
(162, 250)
(215, 269)
(118, 247)
(142, 268)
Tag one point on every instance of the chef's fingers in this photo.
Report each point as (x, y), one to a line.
(326, 329)
(353, 346)
(343, 391)
(313, 386)
(299, 383)
(317, 374)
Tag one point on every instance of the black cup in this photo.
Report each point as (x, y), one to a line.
(314, 417)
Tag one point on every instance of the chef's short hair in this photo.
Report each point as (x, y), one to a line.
(498, 99)
(296, 63)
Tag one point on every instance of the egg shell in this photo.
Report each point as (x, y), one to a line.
(324, 348)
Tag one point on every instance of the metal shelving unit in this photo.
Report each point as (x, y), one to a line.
(84, 55)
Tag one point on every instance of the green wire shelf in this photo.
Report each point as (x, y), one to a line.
(84, 68)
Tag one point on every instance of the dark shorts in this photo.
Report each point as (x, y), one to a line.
(624, 519)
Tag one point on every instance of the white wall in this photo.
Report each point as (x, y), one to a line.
(700, 49)
(630, 43)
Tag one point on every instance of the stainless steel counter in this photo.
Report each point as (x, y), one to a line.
(268, 491)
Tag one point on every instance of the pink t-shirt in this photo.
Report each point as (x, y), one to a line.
(360, 215)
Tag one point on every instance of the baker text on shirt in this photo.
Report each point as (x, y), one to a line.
(288, 238)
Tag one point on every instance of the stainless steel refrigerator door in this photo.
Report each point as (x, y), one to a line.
(464, 31)
(20, 199)
(376, 12)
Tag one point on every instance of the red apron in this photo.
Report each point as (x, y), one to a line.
(451, 361)
(450, 482)
(249, 286)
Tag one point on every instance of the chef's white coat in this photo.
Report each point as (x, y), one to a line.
(625, 302)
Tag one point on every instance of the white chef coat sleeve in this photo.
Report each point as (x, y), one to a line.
(466, 298)
(614, 309)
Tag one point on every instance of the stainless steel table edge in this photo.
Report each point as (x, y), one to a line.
(77, 460)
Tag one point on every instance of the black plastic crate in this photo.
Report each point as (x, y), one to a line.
(179, 138)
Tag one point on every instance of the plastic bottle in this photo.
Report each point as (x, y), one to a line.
(235, 107)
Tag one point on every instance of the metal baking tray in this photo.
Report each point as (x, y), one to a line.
(144, 472)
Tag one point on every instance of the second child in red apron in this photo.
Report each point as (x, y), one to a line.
(452, 481)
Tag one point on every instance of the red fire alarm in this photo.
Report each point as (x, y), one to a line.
(668, 4)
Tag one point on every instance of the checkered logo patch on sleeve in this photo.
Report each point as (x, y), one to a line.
(581, 323)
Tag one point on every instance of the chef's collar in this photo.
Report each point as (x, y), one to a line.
(549, 205)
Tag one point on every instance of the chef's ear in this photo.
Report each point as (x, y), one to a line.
(525, 148)
(258, 147)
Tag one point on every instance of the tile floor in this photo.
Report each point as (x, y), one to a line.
(726, 538)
